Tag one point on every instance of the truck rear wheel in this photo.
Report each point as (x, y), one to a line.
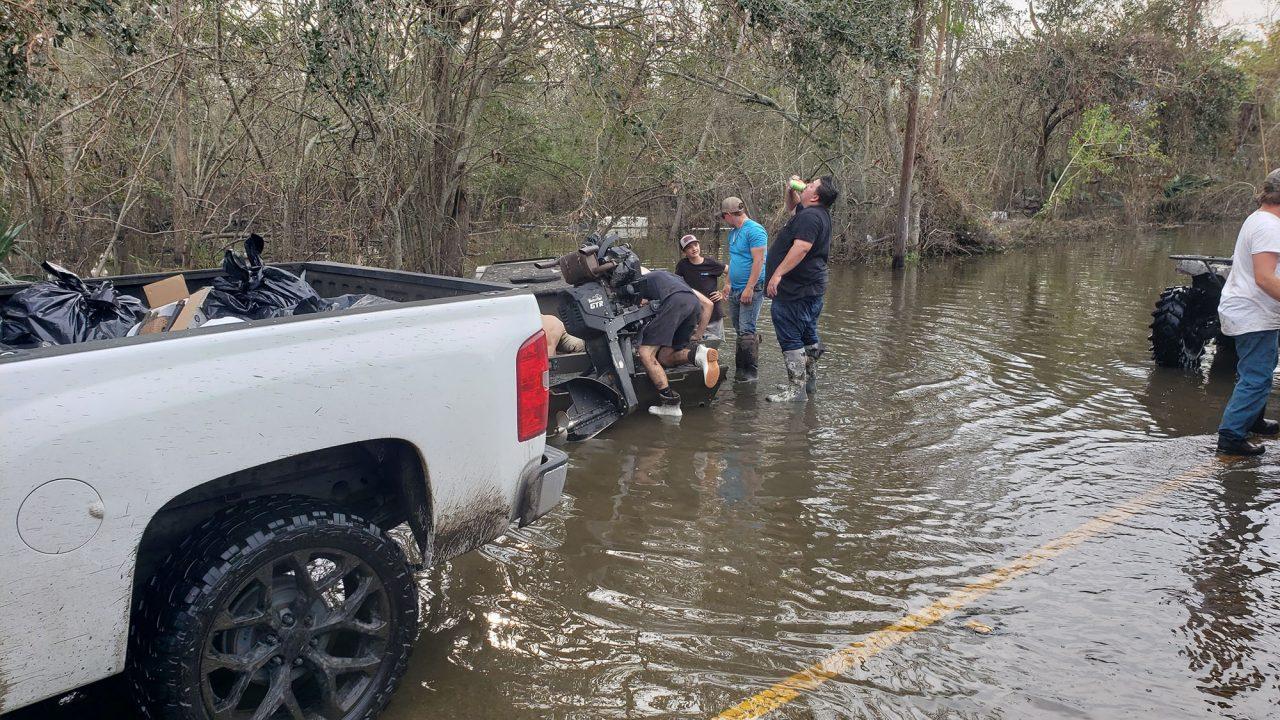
(1175, 341)
(283, 608)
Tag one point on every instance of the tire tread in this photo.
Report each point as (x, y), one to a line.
(167, 624)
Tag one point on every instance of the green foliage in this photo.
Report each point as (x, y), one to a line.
(1263, 55)
(535, 156)
(1183, 184)
(826, 39)
(29, 31)
(9, 233)
(351, 128)
(1103, 147)
(343, 42)
(1199, 113)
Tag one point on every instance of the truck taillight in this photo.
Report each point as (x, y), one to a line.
(532, 370)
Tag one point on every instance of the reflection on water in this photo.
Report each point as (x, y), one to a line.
(1230, 612)
(968, 412)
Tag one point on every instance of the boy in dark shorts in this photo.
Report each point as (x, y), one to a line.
(703, 274)
(671, 336)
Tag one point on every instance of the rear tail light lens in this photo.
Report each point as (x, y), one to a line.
(532, 379)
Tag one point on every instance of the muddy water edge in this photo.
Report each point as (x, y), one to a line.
(968, 411)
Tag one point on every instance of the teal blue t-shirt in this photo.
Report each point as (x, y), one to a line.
(751, 235)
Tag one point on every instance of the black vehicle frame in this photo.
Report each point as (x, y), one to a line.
(592, 390)
(1185, 319)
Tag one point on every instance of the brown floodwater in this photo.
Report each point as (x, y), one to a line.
(969, 411)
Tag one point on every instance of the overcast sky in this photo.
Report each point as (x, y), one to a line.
(1246, 13)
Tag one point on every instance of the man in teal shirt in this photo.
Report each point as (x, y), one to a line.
(747, 243)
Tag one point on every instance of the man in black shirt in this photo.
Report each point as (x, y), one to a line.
(797, 281)
(681, 320)
(703, 274)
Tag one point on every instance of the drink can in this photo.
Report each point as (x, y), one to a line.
(797, 185)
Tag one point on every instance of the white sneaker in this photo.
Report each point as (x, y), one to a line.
(665, 410)
(708, 359)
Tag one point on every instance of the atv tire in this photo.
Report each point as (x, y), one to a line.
(1225, 349)
(282, 607)
(1174, 340)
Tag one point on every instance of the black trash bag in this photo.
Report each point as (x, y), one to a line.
(67, 310)
(253, 291)
(347, 302)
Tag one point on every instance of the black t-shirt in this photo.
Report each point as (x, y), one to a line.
(808, 278)
(704, 278)
(660, 285)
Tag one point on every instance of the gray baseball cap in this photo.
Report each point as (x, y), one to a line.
(732, 204)
(1273, 180)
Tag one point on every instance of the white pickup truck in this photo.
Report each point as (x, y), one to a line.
(207, 510)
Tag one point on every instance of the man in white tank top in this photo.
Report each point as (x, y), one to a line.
(1250, 314)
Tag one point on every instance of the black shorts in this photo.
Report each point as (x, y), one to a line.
(674, 323)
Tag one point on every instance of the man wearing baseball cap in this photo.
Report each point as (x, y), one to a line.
(747, 243)
(1249, 312)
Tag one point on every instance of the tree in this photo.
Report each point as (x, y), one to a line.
(146, 134)
(909, 140)
(1103, 147)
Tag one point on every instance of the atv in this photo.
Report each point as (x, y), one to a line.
(1185, 320)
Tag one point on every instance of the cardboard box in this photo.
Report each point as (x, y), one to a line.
(169, 290)
(181, 314)
(194, 306)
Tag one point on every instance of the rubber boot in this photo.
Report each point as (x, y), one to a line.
(668, 404)
(739, 358)
(748, 357)
(794, 391)
(811, 355)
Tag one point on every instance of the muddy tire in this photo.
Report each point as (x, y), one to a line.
(1175, 342)
(282, 603)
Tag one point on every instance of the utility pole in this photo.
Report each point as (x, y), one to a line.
(909, 142)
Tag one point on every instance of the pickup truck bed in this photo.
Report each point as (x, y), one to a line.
(119, 454)
(329, 279)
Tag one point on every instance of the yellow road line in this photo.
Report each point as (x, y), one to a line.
(857, 653)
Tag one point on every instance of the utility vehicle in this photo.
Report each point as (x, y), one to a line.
(1185, 319)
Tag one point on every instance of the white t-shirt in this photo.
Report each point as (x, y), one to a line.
(1244, 307)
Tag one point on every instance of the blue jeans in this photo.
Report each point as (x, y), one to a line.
(795, 322)
(1258, 354)
(745, 317)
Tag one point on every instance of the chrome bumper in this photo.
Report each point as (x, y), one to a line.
(543, 485)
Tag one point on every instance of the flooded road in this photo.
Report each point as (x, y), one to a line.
(969, 412)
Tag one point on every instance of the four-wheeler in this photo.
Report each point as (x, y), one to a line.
(1185, 319)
